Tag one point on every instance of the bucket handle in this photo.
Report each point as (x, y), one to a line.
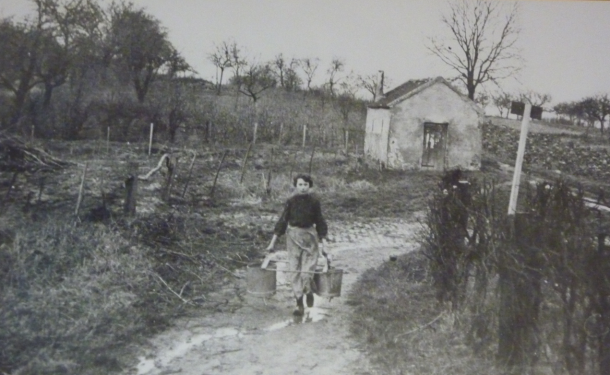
(327, 263)
(326, 266)
(266, 261)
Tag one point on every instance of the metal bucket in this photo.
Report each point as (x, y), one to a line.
(328, 283)
(261, 282)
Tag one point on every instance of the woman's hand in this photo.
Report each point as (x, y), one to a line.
(323, 243)
(325, 252)
(271, 244)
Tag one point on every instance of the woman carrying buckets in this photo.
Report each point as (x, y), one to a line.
(304, 225)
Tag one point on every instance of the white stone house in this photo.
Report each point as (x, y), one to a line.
(425, 125)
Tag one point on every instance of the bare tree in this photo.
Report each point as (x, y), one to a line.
(481, 47)
(565, 109)
(222, 59)
(346, 98)
(20, 46)
(292, 81)
(336, 66)
(596, 108)
(255, 79)
(373, 83)
(70, 28)
(238, 61)
(309, 67)
(140, 45)
(482, 99)
(503, 102)
(535, 98)
(279, 66)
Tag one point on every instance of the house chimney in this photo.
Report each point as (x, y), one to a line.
(380, 95)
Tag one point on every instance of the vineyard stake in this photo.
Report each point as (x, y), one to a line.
(224, 155)
(80, 190)
(243, 166)
(188, 179)
(151, 138)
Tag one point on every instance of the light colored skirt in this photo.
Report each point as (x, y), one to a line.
(302, 248)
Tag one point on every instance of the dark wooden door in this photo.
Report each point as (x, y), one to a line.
(435, 145)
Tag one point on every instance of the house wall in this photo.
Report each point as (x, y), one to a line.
(439, 104)
(377, 131)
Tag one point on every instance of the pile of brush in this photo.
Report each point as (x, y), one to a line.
(17, 156)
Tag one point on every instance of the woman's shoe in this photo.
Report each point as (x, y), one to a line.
(300, 310)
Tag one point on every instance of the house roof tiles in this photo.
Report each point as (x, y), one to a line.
(410, 88)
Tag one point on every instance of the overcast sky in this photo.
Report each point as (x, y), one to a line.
(565, 44)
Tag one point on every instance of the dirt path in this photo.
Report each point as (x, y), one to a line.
(255, 336)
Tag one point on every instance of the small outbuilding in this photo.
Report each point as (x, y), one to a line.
(424, 124)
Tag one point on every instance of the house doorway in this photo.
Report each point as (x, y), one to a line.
(435, 145)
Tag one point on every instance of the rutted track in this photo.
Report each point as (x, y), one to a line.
(259, 336)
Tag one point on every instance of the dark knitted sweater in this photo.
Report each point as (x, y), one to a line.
(303, 211)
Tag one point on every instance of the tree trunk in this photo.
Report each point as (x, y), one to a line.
(471, 90)
(169, 180)
(222, 71)
(48, 92)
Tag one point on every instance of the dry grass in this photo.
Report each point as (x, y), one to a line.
(75, 297)
(71, 294)
(397, 318)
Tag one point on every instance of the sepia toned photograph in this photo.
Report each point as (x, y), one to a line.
(328, 187)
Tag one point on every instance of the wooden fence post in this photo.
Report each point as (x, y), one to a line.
(188, 179)
(150, 138)
(209, 129)
(80, 190)
(292, 165)
(41, 182)
(10, 187)
(313, 149)
(268, 186)
(167, 192)
(131, 187)
(243, 165)
(304, 134)
(224, 155)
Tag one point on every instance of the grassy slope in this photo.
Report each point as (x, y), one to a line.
(405, 331)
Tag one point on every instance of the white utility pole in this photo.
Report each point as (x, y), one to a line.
(514, 192)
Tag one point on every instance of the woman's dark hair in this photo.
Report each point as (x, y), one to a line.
(304, 177)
